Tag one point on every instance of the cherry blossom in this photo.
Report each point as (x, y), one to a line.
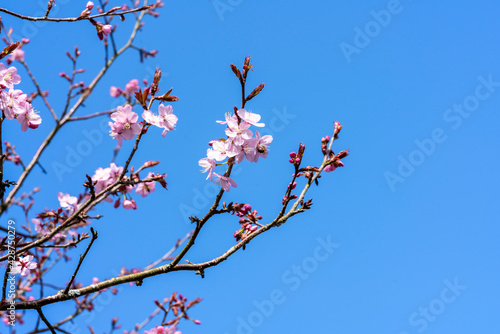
(333, 166)
(8, 76)
(247, 150)
(250, 118)
(165, 118)
(39, 226)
(106, 29)
(115, 91)
(222, 150)
(208, 165)
(24, 266)
(28, 118)
(16, 55)
(132, 86)
(238, 133)
(163, 330)
(125, 126)
(261, 148)
(225, 182)
(129, 204)
(67, 202)
(12, 102)
(145, 188)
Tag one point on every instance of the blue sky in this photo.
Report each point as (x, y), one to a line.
(401, 240)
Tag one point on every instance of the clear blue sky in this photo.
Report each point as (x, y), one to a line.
(410, 219)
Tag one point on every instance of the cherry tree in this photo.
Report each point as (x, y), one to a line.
(35, 247)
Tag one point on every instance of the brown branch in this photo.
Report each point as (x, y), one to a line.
(74, 19)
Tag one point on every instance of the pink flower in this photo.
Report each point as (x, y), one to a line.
(261, 148)
(115, 91)
(11, 102)
(8, 76)
(250, 118)
(106, 176)
(222, 150)
(23, 266)
(28, 118)
(67, 202)
(39, 226)
(145, 188)
(208, 165)
(106, 29)
(333, 166)
(247, 150)
(102, 177)
(149, 117)
(131, 87)
(225, 182)
(90, 5)
(129, 204)
(163, 330)
(238, 133)
(16, 55)
(166, 118)
(125, 126)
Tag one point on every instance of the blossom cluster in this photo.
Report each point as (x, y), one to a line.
(125, 125)
(248, 221)
(130, 88)
(240, 144)
(163, 330)
(13, 103)
(105, 177)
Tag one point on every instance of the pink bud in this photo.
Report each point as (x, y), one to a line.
(129, 204)
(293, 155)
(247, 207)
(106, 29)
(25, 40)
(90, 5)
(115, 91)
(291, 161)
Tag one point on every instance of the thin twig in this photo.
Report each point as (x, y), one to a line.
(170, 252)
(40, 313)
(82, 257)
(81, 118)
